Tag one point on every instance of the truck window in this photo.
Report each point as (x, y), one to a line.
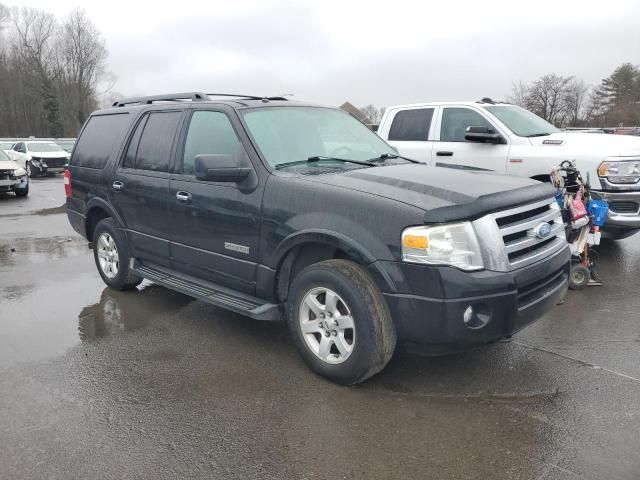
(150, 146)
(209, 133)
(100, 137)
(455, 122)
(411, 125)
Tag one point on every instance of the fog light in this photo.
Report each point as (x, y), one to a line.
(476, 316)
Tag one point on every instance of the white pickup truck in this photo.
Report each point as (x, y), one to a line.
(487, 135)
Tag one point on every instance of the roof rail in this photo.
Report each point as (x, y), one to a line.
(248, 97)
(169, 97)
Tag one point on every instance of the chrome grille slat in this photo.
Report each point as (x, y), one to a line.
(528, 224)
(520, 244)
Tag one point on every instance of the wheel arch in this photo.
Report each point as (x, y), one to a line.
(96, 210)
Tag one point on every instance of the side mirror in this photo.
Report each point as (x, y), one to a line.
(221, 168)
(482, 135)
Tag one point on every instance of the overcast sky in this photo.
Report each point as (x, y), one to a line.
(366, 52)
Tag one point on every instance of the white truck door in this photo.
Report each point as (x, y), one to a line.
(452, 150)
(411, 132)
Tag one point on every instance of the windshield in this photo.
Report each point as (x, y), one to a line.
(290, 134)
(3, 156)
(6, 146)
(522, 122)
(44, 147)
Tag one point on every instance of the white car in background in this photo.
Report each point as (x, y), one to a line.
(40, 157)
(13, 178)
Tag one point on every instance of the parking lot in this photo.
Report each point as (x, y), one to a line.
(96, 383)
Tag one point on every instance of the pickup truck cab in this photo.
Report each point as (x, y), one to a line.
(284, 210)
(500, 137)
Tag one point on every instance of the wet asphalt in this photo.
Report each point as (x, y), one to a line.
(96, 383)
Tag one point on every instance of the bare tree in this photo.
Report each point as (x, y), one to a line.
(373, 113)
(575, 97)
(518, 95)
(546, 98)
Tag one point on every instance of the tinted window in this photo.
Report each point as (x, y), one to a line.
(132, 149)
(455, 122)
(154, 148)
(411, 125)
(102, 135)
(19, 147)
(209, 133)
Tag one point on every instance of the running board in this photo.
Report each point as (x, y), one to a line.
(219, 296)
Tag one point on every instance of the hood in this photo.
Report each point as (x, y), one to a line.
(445, 194)
(62, 154)
(8, 165)
(607, 144)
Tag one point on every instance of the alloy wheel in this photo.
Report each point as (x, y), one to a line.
(108, 255)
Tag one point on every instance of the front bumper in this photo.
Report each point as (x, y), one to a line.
(622, 213)
(430, 306)
(12, 184)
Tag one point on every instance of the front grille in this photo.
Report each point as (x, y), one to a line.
(516, 229)
(622, 206)
(55, 162)
(6, 174)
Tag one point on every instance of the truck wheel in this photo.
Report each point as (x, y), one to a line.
(579, 276)
(111, 254)
(340, 322)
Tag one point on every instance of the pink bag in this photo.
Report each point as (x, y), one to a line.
(577, 207)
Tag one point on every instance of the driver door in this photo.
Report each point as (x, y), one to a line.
(452, 150)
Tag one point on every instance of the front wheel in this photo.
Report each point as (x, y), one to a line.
(111, 254)
(340, 322)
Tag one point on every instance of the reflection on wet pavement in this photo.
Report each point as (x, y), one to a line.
(130, 310)
(18, 251)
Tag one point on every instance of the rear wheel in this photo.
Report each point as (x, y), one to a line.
(111, 254)
(340, 322)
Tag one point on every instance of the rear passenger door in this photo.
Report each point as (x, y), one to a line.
(410, 133)
(140, 185)
(453, 150)
(215, 225)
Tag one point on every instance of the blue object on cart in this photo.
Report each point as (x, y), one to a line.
(560, 198)
(598, 209)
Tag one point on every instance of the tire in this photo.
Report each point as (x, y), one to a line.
(113, 265)
(32, 171)
(579, 276)
(22, 192)
(365, 347)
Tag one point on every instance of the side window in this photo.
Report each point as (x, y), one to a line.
(411, 125)
(150, 146)
(209, 133)
(19, 147)
(455, 122)
(100, 137)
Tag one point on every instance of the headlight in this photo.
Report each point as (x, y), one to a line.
(455, 244)
(627, 171)
(19, 172)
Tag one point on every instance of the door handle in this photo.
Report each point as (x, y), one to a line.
(184, 197)
(444, 154)
(118, 185)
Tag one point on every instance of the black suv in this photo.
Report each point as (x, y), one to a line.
(284, 210)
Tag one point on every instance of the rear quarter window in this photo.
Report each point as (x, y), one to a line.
(411, 125)
(100, 137)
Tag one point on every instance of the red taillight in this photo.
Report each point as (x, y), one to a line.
(67, 183)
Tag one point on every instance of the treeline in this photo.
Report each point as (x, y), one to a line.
(570, 102)
(49, 72)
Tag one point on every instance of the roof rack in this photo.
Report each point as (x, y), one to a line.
(169, 97)
(193, 96)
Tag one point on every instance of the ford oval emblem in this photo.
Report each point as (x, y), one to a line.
(543, 230)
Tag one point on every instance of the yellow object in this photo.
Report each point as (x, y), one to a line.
(602, 169)
(414, 241)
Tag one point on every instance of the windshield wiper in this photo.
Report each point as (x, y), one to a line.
(320, 158)
(388, 156)
(542, 134)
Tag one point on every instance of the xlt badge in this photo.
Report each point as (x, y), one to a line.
(236, 248)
